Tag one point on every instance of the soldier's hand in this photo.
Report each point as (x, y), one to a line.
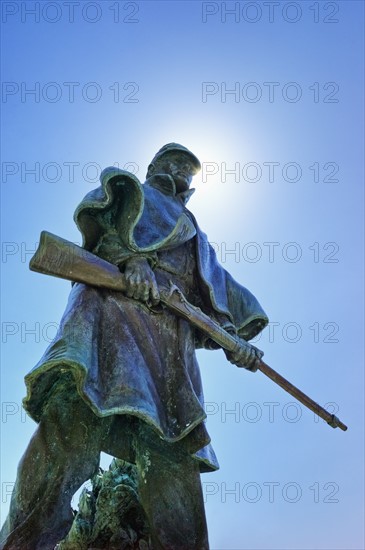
(140, 280)
(247, 357)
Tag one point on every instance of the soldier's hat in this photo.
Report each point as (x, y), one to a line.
(176, 147)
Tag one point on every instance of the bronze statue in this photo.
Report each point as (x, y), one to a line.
(121, 375)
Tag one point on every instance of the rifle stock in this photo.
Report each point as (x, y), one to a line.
(66, 260)
(61, 258)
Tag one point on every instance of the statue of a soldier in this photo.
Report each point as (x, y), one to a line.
(121, 375)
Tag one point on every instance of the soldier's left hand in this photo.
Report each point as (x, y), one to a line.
(248, 357)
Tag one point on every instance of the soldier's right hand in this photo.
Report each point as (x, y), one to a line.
(140, 280)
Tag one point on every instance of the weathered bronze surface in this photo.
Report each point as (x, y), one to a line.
(110, 515)
(60, 258)
(121, 375)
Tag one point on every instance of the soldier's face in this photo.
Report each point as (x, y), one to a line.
(180, 167)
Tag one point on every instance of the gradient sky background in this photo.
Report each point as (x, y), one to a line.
(287, 480)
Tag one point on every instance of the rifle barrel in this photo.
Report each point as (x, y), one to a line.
(331, 419)
(61, 258)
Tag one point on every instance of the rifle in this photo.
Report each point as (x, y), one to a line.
(61, 258)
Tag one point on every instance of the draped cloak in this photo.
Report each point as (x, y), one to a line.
(124, 358)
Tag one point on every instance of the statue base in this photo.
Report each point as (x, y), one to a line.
(110, 516)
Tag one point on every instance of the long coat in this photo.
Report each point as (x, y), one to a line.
(124, 358)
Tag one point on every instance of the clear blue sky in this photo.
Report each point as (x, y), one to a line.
(274, 92)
